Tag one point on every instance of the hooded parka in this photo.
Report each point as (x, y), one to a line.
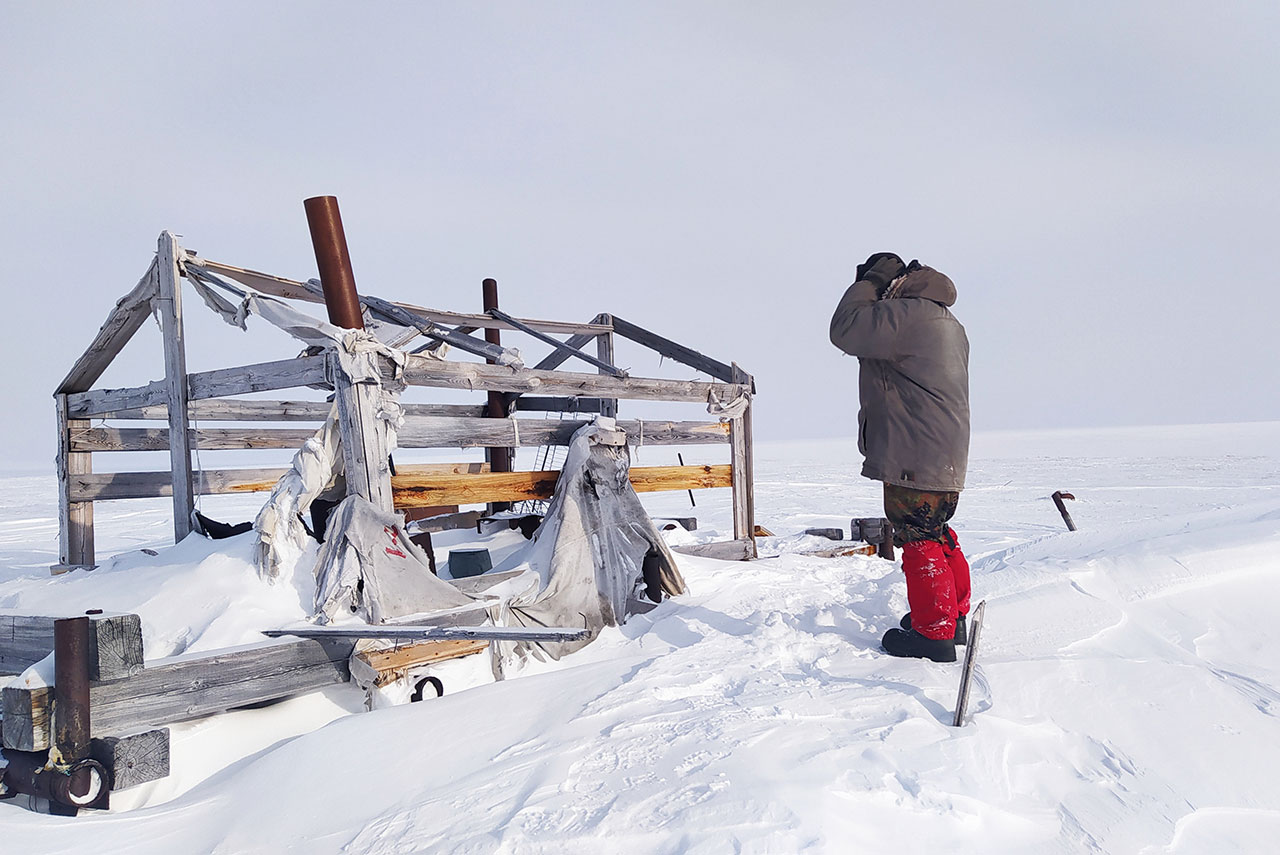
(913, 426)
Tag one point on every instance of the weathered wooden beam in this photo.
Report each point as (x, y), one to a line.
(75, 519)
(212, 482)
(115, 650)
(260, 377)
(222, 382)
(134, 759)
(128, 316)
(295, 290)
(444, 432)
(522, 486)
(169, 308)
(234, 410)
(742, 549)
(26, 723)
(24, 640)
(577, 341)
(570, 352)
(185, 687)
(205, 439)
(422, 371)
(680, 353)
(86, 405)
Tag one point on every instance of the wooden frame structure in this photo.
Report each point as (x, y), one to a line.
(181, 398)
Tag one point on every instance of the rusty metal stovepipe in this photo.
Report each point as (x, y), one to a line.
(334, 262)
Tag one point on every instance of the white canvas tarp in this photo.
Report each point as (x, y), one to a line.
(598, 555)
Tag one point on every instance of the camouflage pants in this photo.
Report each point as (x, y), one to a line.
(919, 514)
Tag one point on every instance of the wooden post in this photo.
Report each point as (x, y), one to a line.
(740, 478)
(169, 302)
(500, 459)
(749, 483)
(604, 351)
(75, 519)
(364, 439)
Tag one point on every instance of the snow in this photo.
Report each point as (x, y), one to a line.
(1126, 698)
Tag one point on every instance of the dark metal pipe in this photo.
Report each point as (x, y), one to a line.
(499, 458)
(334, 262)
(1057, 497)
(30, 773)
(71, 641)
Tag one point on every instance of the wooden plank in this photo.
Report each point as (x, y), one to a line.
(750, 479)
(86, 405)
(128, 316)
(260, 377)
(295, 290)
(678, 352)
(134, 759)
(187, 687)
(75, 519)
(390, 665)
(521, 486)
(443, 432)
(204, 439)
(237, 410)
(741, 514)
(725, 550)
(169, 306)
(213, 482)
(423, 371)
(417, 432)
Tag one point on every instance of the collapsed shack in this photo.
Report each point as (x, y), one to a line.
(595, 559)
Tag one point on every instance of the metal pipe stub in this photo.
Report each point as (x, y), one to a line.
(333, 260)
(84, 784)
(72, 639)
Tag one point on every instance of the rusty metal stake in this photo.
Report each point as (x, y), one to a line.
(885, 548)
(499, 458)
(1057, 497)
(72, 638)
(334, 262)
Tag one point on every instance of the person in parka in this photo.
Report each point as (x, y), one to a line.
(913, 431)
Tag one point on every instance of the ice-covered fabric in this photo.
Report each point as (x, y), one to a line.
(369, 567)
(316, 467)
(599, 555)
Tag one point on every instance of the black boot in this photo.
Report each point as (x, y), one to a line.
(962, 634)
(908, 642)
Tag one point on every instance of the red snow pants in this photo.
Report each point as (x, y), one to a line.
(936, 569)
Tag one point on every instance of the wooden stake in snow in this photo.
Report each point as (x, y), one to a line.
(970, 658)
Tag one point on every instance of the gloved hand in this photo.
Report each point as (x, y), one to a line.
(881, 269)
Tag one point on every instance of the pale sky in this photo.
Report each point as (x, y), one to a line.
(1100, 180)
